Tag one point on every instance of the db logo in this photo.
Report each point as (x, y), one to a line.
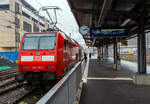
(37, 58)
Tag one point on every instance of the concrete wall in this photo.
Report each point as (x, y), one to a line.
(8, 29)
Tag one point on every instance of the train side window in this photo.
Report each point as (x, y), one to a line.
(65, 45)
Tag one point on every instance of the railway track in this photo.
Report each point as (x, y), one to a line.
(19, 99)
(8, 74)
(24, 96)
(8, 71)
(8, 86)
(33, 96)
(7, 80)
(13, 93)
(12, 96)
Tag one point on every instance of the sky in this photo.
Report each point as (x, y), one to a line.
(66, 20)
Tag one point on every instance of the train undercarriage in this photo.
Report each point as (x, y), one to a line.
(36, 78)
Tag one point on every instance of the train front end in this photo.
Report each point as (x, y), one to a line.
(37, 57)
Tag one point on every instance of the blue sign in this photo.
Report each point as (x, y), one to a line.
(97, 32)
(10, 55)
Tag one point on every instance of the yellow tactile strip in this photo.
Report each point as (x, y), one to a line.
(79, 93)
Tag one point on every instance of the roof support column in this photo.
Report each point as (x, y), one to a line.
(141, 78)
(99, 53)
(102, 53)
(116, 64)
(115, 55)
(141, 48)
(106, 51)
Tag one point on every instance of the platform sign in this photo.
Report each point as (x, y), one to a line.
(124, 43)
(98, 32)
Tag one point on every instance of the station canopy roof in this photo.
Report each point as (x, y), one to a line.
(110, 13)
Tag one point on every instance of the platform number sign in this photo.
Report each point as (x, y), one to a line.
(124, 43)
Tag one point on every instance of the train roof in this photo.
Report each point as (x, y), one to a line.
(62, 33)
(68, 38)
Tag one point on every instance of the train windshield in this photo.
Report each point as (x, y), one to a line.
(39, 41)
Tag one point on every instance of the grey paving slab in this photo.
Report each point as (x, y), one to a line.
(102, 88)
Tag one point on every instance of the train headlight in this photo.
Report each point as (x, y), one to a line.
(50, 67)
(25, 67)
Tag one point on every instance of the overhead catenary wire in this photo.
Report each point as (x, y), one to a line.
(50, 5)
(38, 2)
(58, 15)
(52, 19)
(54, 8)
(49, 16)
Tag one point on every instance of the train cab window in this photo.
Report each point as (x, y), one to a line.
(30, 43)
(39, 42)
(47, 43)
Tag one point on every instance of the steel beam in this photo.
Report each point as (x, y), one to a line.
(86, 11)
(115, 55)
(106, 6)
(106, 51)
(102, 52)
(115, 51)
(141, 48)
(140, 4)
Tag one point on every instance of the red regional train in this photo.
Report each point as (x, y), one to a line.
(46, 56)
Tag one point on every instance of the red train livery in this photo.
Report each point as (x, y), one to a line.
(46, 55)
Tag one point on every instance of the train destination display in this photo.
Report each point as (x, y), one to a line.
(98, 32)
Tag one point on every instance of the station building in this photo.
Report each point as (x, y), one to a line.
(17, 17)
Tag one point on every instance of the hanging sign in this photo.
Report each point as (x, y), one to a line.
(98, 32)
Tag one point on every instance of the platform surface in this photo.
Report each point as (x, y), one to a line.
(106, 86)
